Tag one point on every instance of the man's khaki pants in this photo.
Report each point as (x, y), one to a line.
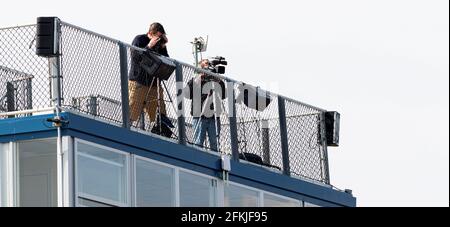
(144, 97)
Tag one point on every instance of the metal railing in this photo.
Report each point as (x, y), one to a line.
(288, 135)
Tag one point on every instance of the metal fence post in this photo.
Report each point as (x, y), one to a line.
(55, 75)
(325, 167)
(92, 105)
(29, 95)
(55, 69)
(124, 85)
(57, 99)
(142, 121)
(233, 122)
(284, 137)
(265, 141)
(10, 98)
(180, 104)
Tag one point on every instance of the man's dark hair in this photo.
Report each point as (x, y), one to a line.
(156, 27)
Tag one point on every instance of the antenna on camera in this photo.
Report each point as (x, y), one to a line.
(199, 45)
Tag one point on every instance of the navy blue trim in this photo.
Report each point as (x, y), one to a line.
(172, 153)
(13, 126)
(26, 128)
(27, 136)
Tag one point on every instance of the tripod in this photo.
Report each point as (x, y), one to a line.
(158, 110)
(202, 118)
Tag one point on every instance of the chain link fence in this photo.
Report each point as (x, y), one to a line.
(24, 76)
(90, 70)
(306, 149)
(91, 84)
(258, 133)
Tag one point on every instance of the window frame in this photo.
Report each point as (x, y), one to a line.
(175, 177)
(299, 202)
(4, 148)
(214, 179)
(127, 168)
(259, 191)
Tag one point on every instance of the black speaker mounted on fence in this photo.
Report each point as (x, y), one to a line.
(332, 121)
(47, 43)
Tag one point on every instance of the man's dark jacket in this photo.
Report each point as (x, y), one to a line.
(136, 72)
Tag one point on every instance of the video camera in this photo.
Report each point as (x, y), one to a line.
(217, 64)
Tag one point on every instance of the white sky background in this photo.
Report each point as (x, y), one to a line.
(384, 65)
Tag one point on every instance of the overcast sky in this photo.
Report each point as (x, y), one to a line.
(384, 65)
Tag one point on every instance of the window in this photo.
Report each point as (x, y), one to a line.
(154, 184)
(277, 201)
(102, 174)
(3, 150)
(237, 196)
(37, 173)
(197, 191)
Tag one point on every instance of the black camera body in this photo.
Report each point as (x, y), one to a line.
(210, 78)
(217, 65)
(156, 65)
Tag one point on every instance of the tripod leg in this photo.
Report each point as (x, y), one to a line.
(142, 121)
(199, 128)
(158, 110)
(216, 116)
(170, 100)
(217, 132)
(147, 102)
(168, 95)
